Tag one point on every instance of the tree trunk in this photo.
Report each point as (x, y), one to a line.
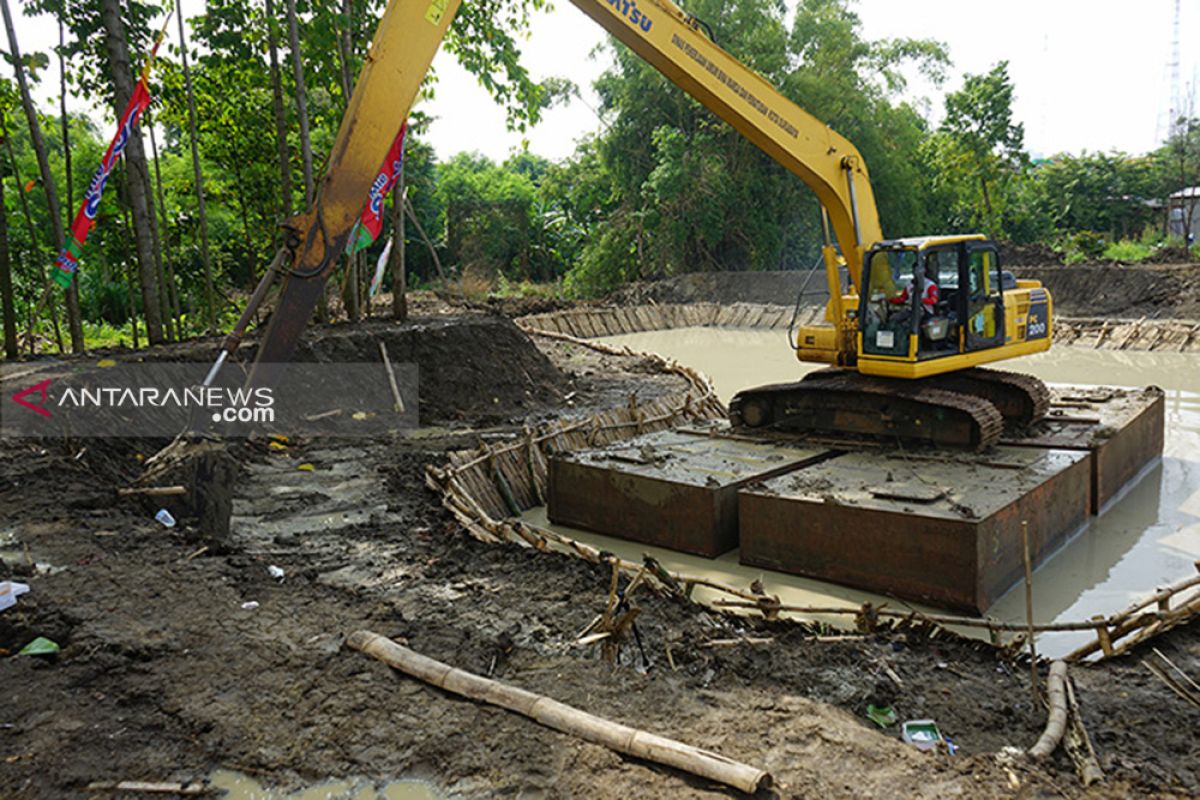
(161, 251)
(39, 149)
(74, 314)
(39, 272)
(301, 101)
(197, 174)
(281, 141)
(6, 285)
(345, 52)
(305, 143)
(171, 289)
(396, 263)
(158, 231)
(139, 176)
(126, 183)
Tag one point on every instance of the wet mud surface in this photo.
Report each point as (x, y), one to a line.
(166, 674)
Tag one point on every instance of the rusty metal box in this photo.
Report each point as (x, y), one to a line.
(937, 527)
(674, 489)
(1122, 428)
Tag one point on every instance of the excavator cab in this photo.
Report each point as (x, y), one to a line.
(933, 305)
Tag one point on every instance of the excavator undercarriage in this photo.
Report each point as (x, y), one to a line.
(969, 409)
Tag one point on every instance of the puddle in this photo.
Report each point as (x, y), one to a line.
(1148, 538)
(237, 786)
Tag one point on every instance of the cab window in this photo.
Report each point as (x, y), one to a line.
(887, 319)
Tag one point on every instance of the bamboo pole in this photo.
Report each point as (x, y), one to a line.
(563, 718)
(391, 373)
(1056, 723)
(153, 491)
(1033, 674)
(1079, 744)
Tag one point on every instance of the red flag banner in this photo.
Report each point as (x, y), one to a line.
(68, 260)
(370, 224)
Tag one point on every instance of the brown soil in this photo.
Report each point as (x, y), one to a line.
(1158, 291)
(164, 676)
(1100, 290)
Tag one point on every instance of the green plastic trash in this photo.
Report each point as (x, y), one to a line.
(881, 716)
(41, 646)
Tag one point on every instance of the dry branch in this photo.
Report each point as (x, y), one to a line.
(563, 718)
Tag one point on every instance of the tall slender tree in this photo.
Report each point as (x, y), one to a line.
(139, 176)
(396, 263)
(197, 174)
(301, 101)
(40, 263)
(6, 284)
(39, 149)
(171, 291)
(281, 137)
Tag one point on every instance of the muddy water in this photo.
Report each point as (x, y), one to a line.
(1148, 538)
(237, 786)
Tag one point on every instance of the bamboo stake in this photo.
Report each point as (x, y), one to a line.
(1033, 674)
(391, 373)
(564, 718)
(1056, 722)
(1079, 744)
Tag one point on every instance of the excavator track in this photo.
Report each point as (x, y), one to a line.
(1021, 399)
(845, 403)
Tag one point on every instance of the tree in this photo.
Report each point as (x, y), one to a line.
(301, 101)
(281, 140)
(687, 192)
(1181, 161)
(7, 305)
(206, 258)
(139, 176)
(981, 147)
(48, 185)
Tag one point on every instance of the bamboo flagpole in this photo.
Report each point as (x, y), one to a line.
(562, 717)
(67, 263)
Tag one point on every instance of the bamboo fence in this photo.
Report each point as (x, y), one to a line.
(1158, 335)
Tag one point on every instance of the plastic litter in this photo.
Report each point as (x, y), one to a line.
(881, 716)
(923, 733)
(9, 592)
(165, 518)
(250, 605)
(275, 572)
(41, 646)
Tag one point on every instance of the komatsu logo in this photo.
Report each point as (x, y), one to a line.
(631, 12)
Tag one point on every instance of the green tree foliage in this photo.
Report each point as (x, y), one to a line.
(977, 157)
(689, 193)
(1105, 192)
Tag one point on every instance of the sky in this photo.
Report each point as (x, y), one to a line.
(1088, 75)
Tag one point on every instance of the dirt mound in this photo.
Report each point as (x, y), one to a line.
(766, 288)
(1028, 255)
(1121, 291)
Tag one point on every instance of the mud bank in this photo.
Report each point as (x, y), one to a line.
(1158, 291)
(169, 671)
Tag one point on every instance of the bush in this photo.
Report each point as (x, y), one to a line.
(1082, 246)
(1128, 252)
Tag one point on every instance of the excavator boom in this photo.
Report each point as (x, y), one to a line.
(891, 323)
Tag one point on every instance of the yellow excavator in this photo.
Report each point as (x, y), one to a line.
(903, 338)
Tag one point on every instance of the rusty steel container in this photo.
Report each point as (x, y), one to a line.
(1121, 428)
(937, 527)
(675, 489)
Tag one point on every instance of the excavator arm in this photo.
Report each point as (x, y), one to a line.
(404, 46)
